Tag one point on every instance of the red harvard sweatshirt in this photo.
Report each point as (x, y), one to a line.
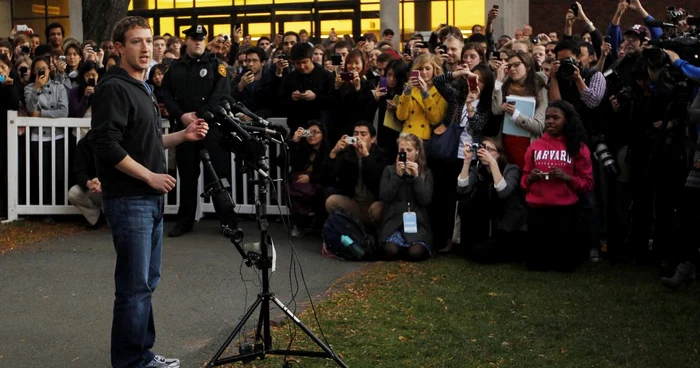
(547, 153)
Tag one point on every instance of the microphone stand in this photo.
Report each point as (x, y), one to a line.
(263, 262)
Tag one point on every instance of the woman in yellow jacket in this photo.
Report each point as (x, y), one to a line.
(420, 105)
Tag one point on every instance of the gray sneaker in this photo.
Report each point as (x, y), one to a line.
(161, 362)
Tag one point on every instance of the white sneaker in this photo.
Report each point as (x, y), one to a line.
(297, 232)
(160, 361)
(593, 255)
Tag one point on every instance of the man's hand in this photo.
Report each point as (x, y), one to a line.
(188, 118)
(570, 19)
(296, 95)
(94, 185)
(581, 13)
(197, 130)
(161, 182)
(555, 69)
(605, 49)
(246, 79)
(622, 7)
(535, 175)
(339, 147)
(544, 38)
(672, 55)
(303, 179)
(361, 149)
(615, 104)
(493, 14)
(308, 95)
(281, 66)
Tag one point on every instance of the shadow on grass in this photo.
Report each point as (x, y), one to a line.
(448, 312)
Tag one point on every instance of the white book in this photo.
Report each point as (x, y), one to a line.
(526, 106)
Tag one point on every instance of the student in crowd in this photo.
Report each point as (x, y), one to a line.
(86, 194)
(355, 170)
(491, 209)
(307, 150)
(406, 190)
(351, 97)
(557, 171)
(396, 74)
(80, 97)
(421, 107)
(518, 77)
(155, 79)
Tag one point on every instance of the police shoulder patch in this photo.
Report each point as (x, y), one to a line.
(222, 70)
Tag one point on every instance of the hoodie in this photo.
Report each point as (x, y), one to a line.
(125, 121)
(547, 153)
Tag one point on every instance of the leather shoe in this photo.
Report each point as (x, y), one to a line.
(179, 230)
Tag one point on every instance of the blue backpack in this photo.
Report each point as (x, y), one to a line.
(345, 237)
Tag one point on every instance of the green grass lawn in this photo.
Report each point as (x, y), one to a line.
(448, 312)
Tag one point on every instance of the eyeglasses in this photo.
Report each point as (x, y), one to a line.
(515, 64)
(491, 149)
(315, 132)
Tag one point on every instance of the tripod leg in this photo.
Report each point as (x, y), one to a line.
(213, 362)
(309, 333)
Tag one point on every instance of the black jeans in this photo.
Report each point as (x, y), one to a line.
(553, 244)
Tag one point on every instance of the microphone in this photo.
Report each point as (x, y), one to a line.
(240, 107)
(221, 198)
(230, 122)
(659, 24)
(256, 129)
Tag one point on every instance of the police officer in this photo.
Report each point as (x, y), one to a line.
(193, 85)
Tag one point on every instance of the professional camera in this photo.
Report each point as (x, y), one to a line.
(687, 48)
(475, 147)
(603, 155)
(621, 92)
(567, 67)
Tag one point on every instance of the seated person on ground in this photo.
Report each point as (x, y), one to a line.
(355, 170)
(406, 190)
(87, 193)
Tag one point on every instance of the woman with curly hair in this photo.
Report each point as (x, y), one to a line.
(557, 170)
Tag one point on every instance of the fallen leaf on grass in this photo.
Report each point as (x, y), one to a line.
(403, 339)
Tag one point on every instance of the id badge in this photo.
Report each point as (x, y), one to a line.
(410, 223)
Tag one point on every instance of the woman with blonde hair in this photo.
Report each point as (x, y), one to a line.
(421, 106)
(406, 190)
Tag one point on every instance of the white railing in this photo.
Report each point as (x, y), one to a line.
(18, 133)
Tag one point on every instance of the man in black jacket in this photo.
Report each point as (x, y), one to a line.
(193, 85)
(355, 171)
(128, 142)
(86, 195)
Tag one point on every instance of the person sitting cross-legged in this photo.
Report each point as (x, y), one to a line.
(86, 195)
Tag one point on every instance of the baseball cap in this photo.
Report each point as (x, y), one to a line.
(641, 30)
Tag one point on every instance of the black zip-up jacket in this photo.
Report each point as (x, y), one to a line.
(125, 121)
(343, 171)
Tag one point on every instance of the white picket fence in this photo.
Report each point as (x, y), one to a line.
(18, 132)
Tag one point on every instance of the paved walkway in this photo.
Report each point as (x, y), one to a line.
(56, 296)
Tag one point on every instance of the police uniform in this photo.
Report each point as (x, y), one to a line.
(195, 84)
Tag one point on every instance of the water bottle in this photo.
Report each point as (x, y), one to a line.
(355, 249)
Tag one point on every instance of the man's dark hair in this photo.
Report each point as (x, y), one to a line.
(303, 31)
(51, 26)
(258, 51)
(301, 51)
(370, 127)
(290, 33)
(384, 57)
(127, 24)
(167, 34)
(384, 43)
(570, 45)
(7, 45)
(450, 30)
(42, 50)
(369, 36)
(388, 32)
(478, 38)
(264, 38)
(342, 45)
(589, 46)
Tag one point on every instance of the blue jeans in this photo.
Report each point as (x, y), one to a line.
(137, 231)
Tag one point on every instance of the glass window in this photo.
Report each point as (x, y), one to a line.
(438, 14)
(183, 4)
(342, 27)
(58, 7)
(203, 3)
(167, 25)
(166, 4)
(255, 30)
(25, 9)
(468, 13)
(221, 29)
(407, 19)
(142, 4)
(371, 25)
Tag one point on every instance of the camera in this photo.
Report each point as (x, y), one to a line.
(347, 76)
(25, 50)
(351, 140)
(22, 28)
(306, 133)
(62, 58)
(567, 67)
(544, 175)
(41, 72)
(91, 82)
(23, 70)
(475, 147)
(282, 57)
(603, 155)
(225, 37)
(621, 92)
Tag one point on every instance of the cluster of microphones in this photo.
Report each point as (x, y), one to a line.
(224, 117)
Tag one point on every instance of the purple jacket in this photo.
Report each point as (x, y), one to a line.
(78, 104)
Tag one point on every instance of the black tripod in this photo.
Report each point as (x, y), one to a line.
(263, 262)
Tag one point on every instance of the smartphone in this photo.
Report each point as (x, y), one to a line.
(415, 73)
(496, 55)
(282, 57)
(443, 48)
(41, 72)
(607, 39)
(511, 103)
(496, 7)
(23, 70)
(574, 7)
(402, 157)
(347, 76)
(91, 82)
(336, 59)
(382, 84)
(167, 61)
(473, 85)
(244, 70)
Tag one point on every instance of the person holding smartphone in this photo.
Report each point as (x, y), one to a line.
(406, 190)
(421, 106)
(80, 97)
(557, 171)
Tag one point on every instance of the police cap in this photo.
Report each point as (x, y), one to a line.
(197, 32)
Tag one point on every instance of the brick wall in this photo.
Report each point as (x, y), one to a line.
(548, 15)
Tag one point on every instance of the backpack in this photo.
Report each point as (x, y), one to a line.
(345, 237)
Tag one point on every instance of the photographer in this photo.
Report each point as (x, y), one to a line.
(351, 99)
(254, 88)
(689, 70)
(491, 209)
(80, 97)
(355, 167)
(406, 190)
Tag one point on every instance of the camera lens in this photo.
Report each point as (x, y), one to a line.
(603, 155)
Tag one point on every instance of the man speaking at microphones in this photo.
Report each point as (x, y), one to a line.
(129, 145)
(192, 86)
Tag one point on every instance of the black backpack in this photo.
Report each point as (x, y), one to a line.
(345, 237)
